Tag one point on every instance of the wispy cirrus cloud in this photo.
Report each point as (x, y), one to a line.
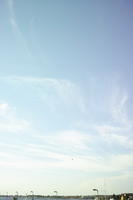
(39, 157)
(72, 141)
(118, 130)
(9, 122)
(119, 101)
(58, 151)
(50, 89)
(13, 19)
(16, 28)
(72, 149)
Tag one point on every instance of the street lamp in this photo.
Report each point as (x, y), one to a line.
(56, 192)
(96, 190)
(16, 193)
(32, 193)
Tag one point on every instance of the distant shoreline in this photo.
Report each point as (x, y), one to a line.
(101, 197)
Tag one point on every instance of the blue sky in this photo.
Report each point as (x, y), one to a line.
(66, 96)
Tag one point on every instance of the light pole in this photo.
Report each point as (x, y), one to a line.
(56, 192)
(96, 191)
(32, 193)
(16, 193)
(26, 195)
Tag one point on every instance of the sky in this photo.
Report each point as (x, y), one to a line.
(66, 117)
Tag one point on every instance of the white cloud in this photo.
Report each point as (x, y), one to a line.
(118, 107)
(117, 130)
(9, 122)
(4, 109)
(26, 157)
(69, 140)
(69, 149)
(51, 90)
(15, 27)
(13, 20)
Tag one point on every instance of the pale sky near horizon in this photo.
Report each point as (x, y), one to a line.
(66, 96)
